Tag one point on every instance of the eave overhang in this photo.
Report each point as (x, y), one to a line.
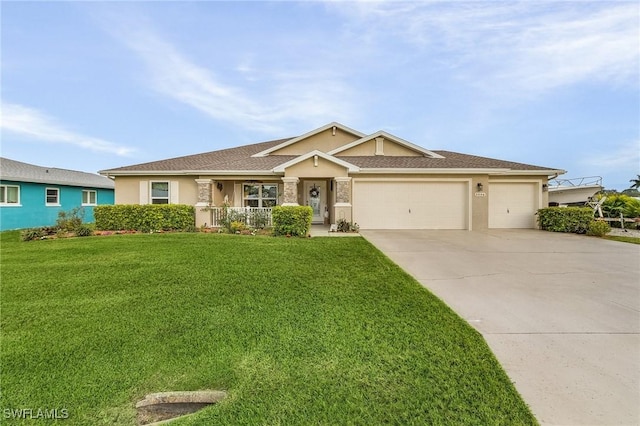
(460, 171)
(187, 172)
(54, 182)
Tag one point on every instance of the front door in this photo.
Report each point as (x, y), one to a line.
(316, 197)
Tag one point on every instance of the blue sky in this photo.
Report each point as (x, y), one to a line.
(97, 85)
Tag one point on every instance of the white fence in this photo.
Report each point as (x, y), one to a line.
(256, 217)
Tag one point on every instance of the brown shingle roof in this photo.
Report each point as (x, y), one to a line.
(226, 159)
(451, 160)
(240, 159)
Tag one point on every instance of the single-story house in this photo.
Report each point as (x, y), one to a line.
(377, 180)
(31, 196)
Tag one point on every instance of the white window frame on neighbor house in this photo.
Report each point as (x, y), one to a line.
(89, 197)
(258, 199)
(57, 197)
(153, 199)
(4, 195)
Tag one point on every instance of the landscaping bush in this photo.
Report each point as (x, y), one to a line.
(237, 226)
(32, 234)
(565, 219)
(84, 231)
(617, 204)
(292, 220)
(146, 218)
(258, 219)
(70, 221)
(598, 228)
(345, 226)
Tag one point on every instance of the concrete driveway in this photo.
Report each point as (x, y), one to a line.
(561, 312)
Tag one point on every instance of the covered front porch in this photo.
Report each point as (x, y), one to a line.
(251, 202)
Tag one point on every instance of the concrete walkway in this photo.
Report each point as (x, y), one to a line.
(324, 231)
(561, 312)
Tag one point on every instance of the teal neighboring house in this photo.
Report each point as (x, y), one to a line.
(31, 196)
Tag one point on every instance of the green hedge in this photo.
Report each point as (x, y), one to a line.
(292, 220)
(146, 218)
(565, 219)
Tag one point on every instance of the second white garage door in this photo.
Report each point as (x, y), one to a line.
(513, 204)
(411, 204)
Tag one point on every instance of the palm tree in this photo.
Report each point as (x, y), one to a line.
(635, 183)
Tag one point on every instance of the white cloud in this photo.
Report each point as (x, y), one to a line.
(30, 122)
(280, 102)
(531, 47)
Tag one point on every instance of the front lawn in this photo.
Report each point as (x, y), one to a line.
(297, 331)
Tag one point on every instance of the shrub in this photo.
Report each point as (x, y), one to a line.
(230, 216)
(84, 231)
(615, 205)
(258, 219)
(598, 228)
(146, 218)
(344, 226)
(237, 226)
(32, 234)
(38, 233)
(292, 220)
(70, 221)
(565, 219)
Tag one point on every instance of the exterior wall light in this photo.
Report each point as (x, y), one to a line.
(480, 187)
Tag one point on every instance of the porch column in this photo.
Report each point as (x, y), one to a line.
(290, 197)
(342, 207)
(343, 191)
(205, 198)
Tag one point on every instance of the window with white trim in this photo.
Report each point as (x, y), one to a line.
(89, 197)
(159, 192)
(52, 197)
(260, 195)
(9, 195)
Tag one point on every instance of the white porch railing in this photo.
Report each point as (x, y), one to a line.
(257, 217)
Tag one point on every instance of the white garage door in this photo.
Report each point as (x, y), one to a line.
(512, 205)
(410, 204)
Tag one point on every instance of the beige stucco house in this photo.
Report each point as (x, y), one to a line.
(377, 180)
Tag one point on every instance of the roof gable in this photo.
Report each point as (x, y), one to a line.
(387, 137)
(335, 128)
(350, 167)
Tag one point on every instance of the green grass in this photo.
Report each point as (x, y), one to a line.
(632, 240)
(298, 331)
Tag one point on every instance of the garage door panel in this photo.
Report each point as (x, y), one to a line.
(512, 205)
(410, 205)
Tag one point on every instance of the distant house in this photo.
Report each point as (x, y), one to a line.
(32, 196)
(378, 180)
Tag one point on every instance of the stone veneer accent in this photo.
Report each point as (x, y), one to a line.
(204, 192)
(343, 190)
(290, 196)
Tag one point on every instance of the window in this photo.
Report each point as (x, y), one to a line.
(89, 197)
(260, 195)
(159, 192)
(53, 197)
(9, 194)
